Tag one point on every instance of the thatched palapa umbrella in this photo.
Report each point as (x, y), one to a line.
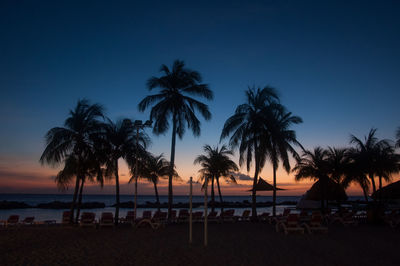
(263, 185)
(391, 191)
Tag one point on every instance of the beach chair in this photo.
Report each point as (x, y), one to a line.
(154, 222)
(197, 216)
(228, 216)
(173, 216)
(183, 216)
(346, 219)
(212, 217)
(304, 217)
(160, 217)
(28, 220)
(245, 216)
(264, 217)
(88, 219)
(106, 220)
(66, 218)
(291, 225)
(129, 218)
(315, 225)
(282, 217)
(12, 220)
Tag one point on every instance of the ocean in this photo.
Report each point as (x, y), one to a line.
(109, 200)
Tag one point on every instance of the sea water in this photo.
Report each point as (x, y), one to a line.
(109, 200)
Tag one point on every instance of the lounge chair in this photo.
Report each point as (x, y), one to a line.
(66, 218)
(197, 216)
(291, 225)
(315, 225)
(280, 218)
(212, 217)
(173, 216)
(107, 219)
(154, 222)
(183, 216)
(228, 216)
(28, 220)
(12, 220)
(264, 217)
(88, 219)
(160, 217)
(346, 219)
(245, 216)
(129, 218)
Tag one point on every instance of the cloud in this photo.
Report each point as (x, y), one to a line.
(242, 177)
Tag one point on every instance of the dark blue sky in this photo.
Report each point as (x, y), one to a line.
(335, 63)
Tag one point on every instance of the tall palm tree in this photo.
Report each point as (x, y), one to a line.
(216, 163)
(152, 169)
(74, 139)
(366, 153)
(174, 103)
(282, 139)
(119, 142)
(398, 137)
(314, 165)
(247, 129)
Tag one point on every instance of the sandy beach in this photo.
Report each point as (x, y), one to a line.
(229, 244)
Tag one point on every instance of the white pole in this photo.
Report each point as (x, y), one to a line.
(205, 213)
(190, 209)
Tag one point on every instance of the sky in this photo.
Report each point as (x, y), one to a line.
(335, 64)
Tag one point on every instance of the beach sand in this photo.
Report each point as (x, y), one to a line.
(229, 244)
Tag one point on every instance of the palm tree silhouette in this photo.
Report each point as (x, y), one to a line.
(74, 140)
(282, 138)
(398, 137)
(119, 142)
(216, 163)
(152, 168)
(247, 128)
(367, 152)
(314, 165)
(173, 103)
(91, 169)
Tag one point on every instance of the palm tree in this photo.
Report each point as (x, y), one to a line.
(282, 138)
(314, 165)
(91, 169)
(247, 129)
(120, 142)
(152, 168)
(366, 153)
(173, 102)
(398, 137)
(338, 161)
(216, 163)
(387, 164)
(74, 139)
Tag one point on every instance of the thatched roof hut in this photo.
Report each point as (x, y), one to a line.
(334, 191)
(391, 191)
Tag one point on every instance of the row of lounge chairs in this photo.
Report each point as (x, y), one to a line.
(296, 223)
(13, 220)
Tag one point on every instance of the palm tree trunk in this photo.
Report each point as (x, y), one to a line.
(116, 193)
(253, 194)
(71, 216)
(322, 190)
(380, 187)
(78, 208)
(171, 170)
(371, 176)
(274, 191)
(157, 197)
(212, 194)
(220, 196)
